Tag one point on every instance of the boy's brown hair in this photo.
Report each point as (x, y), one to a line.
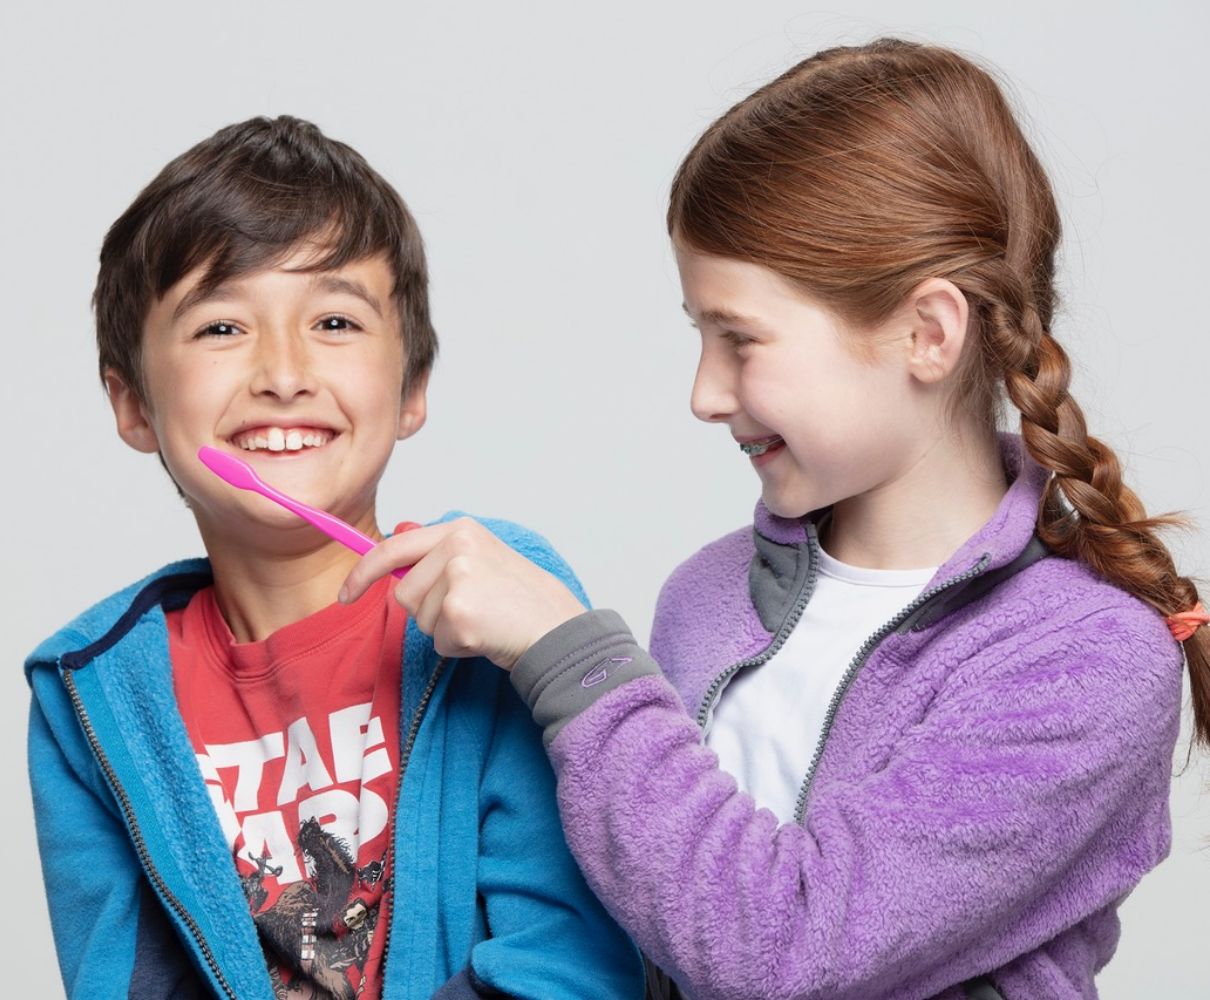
(241, 200)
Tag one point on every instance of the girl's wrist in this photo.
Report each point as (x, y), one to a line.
(575, 664)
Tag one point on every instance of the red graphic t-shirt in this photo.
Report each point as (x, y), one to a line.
(298, 741)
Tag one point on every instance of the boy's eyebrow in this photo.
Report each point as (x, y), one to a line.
(321, 282)
(347, 286)
(200, 293)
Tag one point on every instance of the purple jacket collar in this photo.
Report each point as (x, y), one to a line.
(1002, 538)
(752, 581)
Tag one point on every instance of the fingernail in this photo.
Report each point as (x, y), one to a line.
(343, 596)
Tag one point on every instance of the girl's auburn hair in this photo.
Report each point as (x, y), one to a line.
(862, 171)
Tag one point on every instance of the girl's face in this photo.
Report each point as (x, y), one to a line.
(831, 412)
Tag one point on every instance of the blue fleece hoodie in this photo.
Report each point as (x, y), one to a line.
(144, 896)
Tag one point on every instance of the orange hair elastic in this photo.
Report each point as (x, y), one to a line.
(1184, 623)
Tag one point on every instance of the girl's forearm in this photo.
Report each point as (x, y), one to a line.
(933, 869)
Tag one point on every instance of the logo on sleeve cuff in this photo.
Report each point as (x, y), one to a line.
(600, 671)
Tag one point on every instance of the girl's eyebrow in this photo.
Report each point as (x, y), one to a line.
(719, 317)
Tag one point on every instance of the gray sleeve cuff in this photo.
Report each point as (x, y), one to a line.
(573, 665)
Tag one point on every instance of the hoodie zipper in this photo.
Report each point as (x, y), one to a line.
(714, 691)
(157, 880)
(144, 855)
(859, 659)
(404, 755)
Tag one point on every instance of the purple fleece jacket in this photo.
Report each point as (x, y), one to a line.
(993, 783)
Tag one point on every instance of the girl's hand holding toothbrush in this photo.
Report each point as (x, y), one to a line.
(468, 590)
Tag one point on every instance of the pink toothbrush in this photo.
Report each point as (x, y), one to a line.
(241, 475)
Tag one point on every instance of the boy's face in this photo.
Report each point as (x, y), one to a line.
(298, 373)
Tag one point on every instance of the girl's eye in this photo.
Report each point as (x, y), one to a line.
(219, 329)
(337, 324)
(736, 340)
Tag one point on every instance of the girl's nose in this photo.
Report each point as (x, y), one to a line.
(713, 396)
(283, 366)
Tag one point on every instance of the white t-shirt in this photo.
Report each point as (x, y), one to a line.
(769, 719)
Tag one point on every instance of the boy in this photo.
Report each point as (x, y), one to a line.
(390, 812)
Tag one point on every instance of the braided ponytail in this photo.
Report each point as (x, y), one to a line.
(861, 172)
(1087, 512)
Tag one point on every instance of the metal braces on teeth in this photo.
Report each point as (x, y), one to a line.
(752, 448)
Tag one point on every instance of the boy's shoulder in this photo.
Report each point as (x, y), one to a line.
(121, 608)
(528, 543)
(125, 606)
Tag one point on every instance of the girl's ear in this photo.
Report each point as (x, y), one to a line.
(414, 409)
(131, 414)
(937, 314)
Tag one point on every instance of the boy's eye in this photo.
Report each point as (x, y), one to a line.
(218, 329)
(337, 324)
(736, 340)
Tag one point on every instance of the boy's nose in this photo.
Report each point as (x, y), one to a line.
(713, 396)
(283, 367)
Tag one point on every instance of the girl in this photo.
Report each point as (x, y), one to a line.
(911, 734)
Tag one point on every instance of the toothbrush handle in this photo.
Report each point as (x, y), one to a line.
(330, 525)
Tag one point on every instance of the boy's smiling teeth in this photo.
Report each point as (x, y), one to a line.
(282, 438)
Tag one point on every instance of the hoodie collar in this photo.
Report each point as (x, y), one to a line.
(1003, 538)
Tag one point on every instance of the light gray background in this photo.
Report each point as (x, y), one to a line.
(535, 144)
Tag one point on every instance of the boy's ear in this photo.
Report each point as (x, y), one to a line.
(937, 314)
(414, 409)
(130, 414)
